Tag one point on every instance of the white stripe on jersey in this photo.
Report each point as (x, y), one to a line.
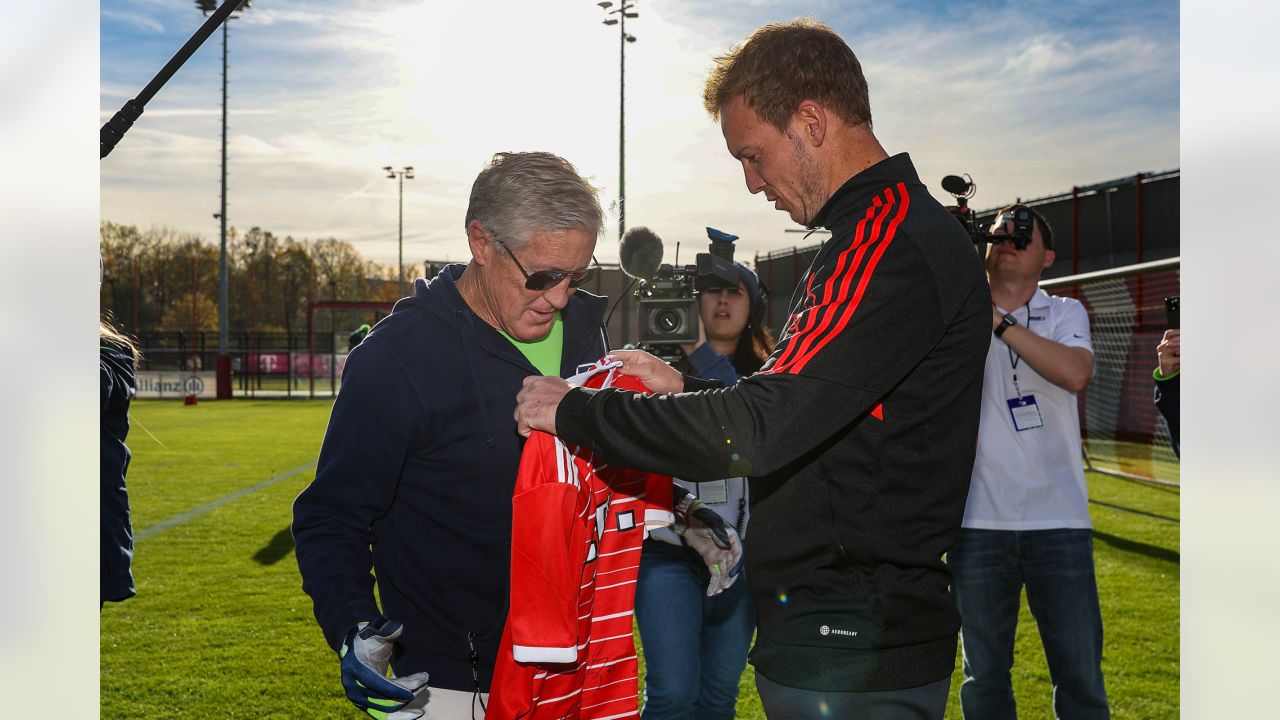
(606, 587)
(615, 682)
(619, 552)
(615, 615)
(611, 662)
(615, 637)
(562, 697)
(621, 569)
(566, 469)
(633, 713)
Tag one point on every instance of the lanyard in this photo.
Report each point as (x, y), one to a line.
(1014, 358)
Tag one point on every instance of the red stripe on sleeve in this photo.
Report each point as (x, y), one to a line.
(818, 332)
(863, 280)
(804, 336)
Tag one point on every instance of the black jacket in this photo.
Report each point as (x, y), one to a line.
(858, 434)
(115, 543)
(1167, 394)
(419, 462)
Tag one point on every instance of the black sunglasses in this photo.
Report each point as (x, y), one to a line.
(547, 279)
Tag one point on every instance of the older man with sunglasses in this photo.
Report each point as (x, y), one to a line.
(416, 473)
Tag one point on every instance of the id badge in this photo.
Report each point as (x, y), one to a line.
(1025, 412)
(713, 493)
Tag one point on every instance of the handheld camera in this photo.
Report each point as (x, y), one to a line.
(667, 293)
(963, 188)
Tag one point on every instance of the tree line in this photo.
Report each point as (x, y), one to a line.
(163, 280)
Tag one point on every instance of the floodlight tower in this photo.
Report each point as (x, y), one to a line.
(403, 174)
(224, 360)
(622, 12)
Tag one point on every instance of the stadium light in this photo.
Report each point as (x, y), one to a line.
(404, 174)
(622, 12)
(224, 359)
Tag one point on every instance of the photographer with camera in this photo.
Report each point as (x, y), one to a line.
(695, 643)
(1026, 522)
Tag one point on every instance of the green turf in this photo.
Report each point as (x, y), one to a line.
(221, 629)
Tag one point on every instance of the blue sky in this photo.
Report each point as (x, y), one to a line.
(1028, 97)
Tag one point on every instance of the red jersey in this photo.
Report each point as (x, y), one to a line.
(567, 651)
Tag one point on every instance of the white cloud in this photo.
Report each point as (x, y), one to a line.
(137, 20)
(322, 97)
(1041, 55)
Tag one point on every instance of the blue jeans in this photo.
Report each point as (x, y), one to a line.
(1056, 566)
(695, 647)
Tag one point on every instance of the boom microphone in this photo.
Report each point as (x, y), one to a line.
(640, 253)
(958, 186)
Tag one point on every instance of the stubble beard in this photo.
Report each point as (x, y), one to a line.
(809, 181)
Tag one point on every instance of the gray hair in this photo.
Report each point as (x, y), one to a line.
(520, 193)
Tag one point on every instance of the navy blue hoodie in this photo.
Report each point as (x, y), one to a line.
(117, 388)
(419, 462)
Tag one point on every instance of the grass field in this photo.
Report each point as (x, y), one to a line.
(221, 629)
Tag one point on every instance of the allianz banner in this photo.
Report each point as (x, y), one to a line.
(177, 384)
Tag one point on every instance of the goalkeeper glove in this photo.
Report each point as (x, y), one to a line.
(714, 539)
(366, 653)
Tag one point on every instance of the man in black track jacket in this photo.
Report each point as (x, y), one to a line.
(859, 432)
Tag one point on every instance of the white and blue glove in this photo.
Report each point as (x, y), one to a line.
(714, 539)
(366, 654)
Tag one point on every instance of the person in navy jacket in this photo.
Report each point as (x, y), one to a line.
(117, 358)
(416, 472)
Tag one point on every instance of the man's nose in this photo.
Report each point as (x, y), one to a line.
(558, 294)
(755, 183)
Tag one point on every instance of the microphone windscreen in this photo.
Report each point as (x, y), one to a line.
(640, 253)
(955, 185)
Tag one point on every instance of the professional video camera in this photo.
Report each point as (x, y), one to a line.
(963, 188)
(668, 307)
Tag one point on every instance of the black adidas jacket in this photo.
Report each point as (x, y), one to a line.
(858, 435)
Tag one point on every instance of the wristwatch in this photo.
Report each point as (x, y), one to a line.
(1005, 323)
(683, 507)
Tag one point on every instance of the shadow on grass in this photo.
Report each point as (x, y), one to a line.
(1143, 513)
(276, 550)
(1151, 551)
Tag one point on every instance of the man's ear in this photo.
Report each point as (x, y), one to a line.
(1049, 257)
(810, 121)
(480, 242)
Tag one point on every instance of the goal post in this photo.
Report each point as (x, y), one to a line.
(383, 306)
(1122, 431)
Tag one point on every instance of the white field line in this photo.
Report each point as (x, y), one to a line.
(215, 504)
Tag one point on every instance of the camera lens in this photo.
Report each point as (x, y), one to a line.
(667, 321)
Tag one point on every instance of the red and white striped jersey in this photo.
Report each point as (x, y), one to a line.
(567, 651)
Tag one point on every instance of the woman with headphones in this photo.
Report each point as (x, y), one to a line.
(695, 647)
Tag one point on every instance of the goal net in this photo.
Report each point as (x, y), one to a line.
(1123, 432)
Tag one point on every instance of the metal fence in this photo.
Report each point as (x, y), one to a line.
(269, 364)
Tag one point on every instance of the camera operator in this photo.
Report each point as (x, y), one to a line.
(695, 645)
(1026, 522)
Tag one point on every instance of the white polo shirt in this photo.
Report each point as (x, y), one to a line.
(1030, 479)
